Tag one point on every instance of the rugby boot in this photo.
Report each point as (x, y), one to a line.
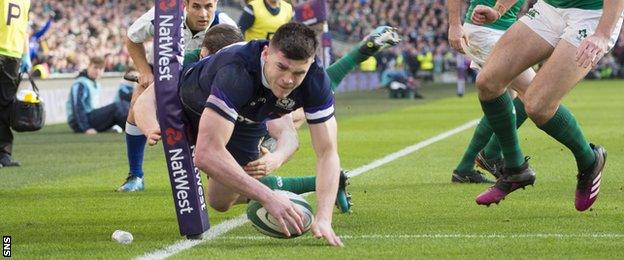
(588, 181)
(132, 184)
(511, 180)
(494, 167)
(473, 176)
(382, 37)
(343, 198)
(7, 161)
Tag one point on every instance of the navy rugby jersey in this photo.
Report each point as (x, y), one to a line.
(231, 83)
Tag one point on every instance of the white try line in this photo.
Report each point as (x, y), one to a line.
(447, 236)
(230, 224)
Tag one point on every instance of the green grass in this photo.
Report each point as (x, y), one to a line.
(60, 203)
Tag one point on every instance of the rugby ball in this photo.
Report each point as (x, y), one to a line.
(262, 221)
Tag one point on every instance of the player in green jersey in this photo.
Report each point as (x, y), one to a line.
(572, 36)
(477, 42)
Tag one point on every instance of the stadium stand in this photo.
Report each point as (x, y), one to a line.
(74, 34)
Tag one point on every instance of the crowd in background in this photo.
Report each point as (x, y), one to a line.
(74, 35)
(81, 29)
(423, 24)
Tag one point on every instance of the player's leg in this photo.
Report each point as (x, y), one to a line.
(297, 185)
(554, 80)
(104, 118)
(516, 51)
(520, 48)
(9, 82)
(300, 185)
(220, 197)
(382, 37)
(135, 149)
(465, 172)
(481, 41)
(491, 157)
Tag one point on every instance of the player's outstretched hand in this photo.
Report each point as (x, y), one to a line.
(153, 136)
(591, 50)
(284, 212)
(457, 39)
(266, 164)
(483, 14)
(321, 228)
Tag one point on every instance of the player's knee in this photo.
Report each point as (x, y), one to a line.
(219, 205)
(486, 83)
(537, 111)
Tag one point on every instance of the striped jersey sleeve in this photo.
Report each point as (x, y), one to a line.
(319, 99)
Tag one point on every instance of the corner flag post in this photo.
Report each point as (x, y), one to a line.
(186, 185)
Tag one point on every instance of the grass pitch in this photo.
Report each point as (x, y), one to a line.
(61, 204)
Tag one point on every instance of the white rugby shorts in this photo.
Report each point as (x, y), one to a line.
(571, 24)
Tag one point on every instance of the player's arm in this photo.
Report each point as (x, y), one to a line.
(79, 94)
(595, 46)
(483, 14)
(26, 63)
(324, 142)
(212, 157)
(283, 130)
(247, 19)
(145, 115)
(138, 33)
(455, 32)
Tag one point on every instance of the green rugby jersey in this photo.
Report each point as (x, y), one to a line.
(581, 4)
(504, 22)
(191, 56)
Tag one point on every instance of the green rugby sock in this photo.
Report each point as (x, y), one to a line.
(339, 69)
(480, 137)
(296, 185)
(564, 128)
(492, 150)
(500, 115)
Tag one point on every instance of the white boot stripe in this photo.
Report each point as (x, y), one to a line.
(597, 178)
(595, 186)
(594, 194)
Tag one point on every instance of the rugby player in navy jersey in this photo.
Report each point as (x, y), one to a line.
(282, 128)
(228, 98)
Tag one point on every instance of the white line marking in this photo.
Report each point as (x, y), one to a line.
(445, 236)
(228, 225)
(412, 148)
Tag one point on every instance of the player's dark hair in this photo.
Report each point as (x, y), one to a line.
(220, 36)
(295, 40)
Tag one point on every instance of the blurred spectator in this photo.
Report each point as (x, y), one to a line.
(261, 18)
(84, 115)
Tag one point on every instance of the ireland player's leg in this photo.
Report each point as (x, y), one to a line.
(515, 52)
(554, 80)
(381, 38)
(221, 198)
(306, 184)
(491, 157)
